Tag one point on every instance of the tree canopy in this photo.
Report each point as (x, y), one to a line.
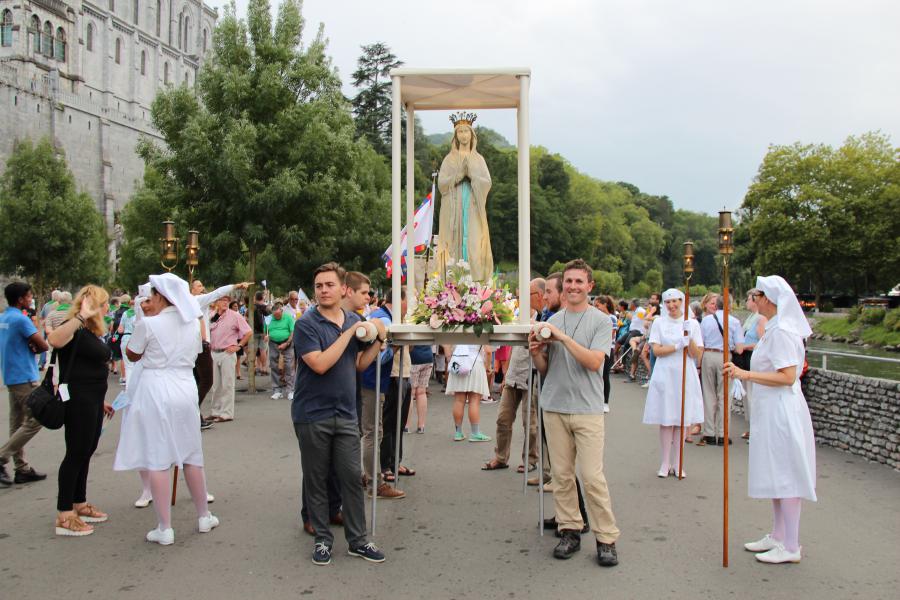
(52, 234)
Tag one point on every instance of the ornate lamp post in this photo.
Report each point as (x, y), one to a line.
(688, 273)
(168, 246)
(726, 249)
(193, 253)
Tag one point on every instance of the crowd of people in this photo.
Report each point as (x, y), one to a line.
(175, 344)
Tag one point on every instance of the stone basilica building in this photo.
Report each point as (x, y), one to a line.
(84, 74)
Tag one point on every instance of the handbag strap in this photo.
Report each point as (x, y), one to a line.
(77, 337)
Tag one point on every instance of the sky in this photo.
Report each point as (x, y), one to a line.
(678, 98)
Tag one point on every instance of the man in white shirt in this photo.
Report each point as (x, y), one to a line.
(711, 371)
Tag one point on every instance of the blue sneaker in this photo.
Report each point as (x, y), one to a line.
(369, 552)
(322, 554)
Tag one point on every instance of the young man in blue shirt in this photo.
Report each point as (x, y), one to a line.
(324, 411)
(19, 342)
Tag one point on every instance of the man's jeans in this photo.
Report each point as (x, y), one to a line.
(325, 444)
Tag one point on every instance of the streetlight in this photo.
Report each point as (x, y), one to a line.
(726, 249)
(193, 253)
(688, 272)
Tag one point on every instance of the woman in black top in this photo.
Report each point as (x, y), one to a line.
(79, 342)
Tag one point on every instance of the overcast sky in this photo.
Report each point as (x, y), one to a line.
(678, 98)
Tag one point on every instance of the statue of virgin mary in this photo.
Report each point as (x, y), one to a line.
(464, 183)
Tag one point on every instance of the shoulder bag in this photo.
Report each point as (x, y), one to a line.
(44, 402)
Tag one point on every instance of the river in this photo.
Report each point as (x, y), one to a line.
(857, 366)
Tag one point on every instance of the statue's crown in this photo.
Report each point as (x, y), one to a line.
(463, 118)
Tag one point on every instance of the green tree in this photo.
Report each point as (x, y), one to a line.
(52, 234)
(372, 104)
(264, 156)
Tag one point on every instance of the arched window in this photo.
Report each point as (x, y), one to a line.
(137, 10)
(158, 17)
(47, 39)
(60, 51)
(90, 37)
(166, 73)
(6, 28)
(204, 41)
(187, 22)
(118, 51)
(143, 62)
(180, 27)
(36, 32)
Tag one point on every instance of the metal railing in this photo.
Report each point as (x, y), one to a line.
(826, 353)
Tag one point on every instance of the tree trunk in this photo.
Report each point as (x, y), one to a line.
(251, 312)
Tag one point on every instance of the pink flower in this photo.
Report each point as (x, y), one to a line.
(459, 315)
(487, 307)
(435, 321)
(486, 293)
(454, 295)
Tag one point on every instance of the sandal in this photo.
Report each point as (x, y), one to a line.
(745, 435)
(91, 514)
(72, 526)
(702, 442)
(406, 471)
(494, 465)
(389, 476)
(521, 468)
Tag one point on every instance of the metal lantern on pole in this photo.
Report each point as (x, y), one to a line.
(688, 268)
(726, 249)
(193, 253)
(168, 246)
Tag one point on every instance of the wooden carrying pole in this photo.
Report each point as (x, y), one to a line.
(726, 249)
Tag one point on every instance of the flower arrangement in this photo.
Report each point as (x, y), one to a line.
(460, 302)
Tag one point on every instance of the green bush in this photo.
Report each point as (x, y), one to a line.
(639, 290)
(873, 316)
(608, 283)
(892, 320)
(828, 307)
(853, 315)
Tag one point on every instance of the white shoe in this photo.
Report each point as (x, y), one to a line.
(663, 472)
(779, 555)
(606, 408)
(163, 537)
(291, 396)
(210, 498)
(207, 523)
(143, 501)
(277, 396)
(764, 545)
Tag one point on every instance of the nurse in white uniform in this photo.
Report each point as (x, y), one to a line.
(782, 444)
(161, 427)
(663, 406)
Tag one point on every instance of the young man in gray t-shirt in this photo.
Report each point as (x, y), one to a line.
(571, 362)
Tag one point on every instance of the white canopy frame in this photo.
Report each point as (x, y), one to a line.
(458, 89)
(455, 89)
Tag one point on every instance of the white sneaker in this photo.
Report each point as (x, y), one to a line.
(764, 545)
(143, 501)
(210, 498)
(606, 408)
(163, 537)
(779, 555)
(663, 472)
(207, 523)
(277, 396)
(645, 385)
(291, 396)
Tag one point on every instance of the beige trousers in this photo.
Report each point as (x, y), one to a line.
(222, 403)
(580, 438)
(367, 420)
(711, 382)
(22, 426)
(510, 401)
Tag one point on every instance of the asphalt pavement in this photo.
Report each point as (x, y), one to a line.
(460, 533)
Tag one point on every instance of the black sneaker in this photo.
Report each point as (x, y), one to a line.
(569, 544)
(5, 480)
(28, 475)
(205, 424)
(607, 555)
(369, 552)
(721, 441)
(322, 554)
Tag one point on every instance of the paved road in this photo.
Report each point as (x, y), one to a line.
(461, 533)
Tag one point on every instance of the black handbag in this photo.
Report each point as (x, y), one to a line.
(44, 402)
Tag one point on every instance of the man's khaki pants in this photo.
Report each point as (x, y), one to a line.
(711, 382)
(22, 426)
(367, 420)
(580, 437)
(506, 416)
(222, 404)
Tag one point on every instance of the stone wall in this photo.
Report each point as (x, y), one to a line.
(860, 415)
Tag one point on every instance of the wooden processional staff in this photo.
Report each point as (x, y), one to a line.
(688, 272)
(726, 249)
